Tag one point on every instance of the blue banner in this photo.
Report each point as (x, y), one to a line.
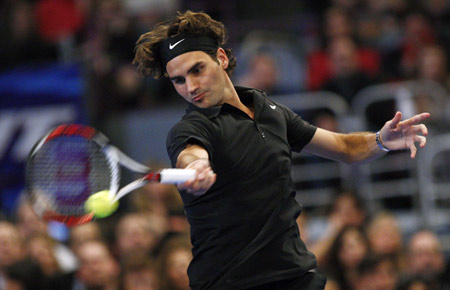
(32, 101)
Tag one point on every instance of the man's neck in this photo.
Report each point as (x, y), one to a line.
(236, 102)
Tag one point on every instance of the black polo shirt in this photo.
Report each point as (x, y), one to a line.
(243, 230)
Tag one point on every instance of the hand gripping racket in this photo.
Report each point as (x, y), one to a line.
(74, 161)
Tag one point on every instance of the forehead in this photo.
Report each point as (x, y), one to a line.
(182, 63)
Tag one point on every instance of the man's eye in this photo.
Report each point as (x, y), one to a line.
(197, 70)
(179, 81)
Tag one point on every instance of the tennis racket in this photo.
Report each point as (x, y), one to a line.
(72, 162)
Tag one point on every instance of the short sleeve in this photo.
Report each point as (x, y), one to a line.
(299, 131)
(194, 128)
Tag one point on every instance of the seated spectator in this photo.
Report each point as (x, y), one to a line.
(139, 234)
(28, 222)
(337, 23)
(386, 238)
(41, 250)
(21, 43)
(346, 210)
(347, 251)
(12, 248)
(425, 258)
(30, 225)
(156, 198)
(418, 33)
(414, 283)
(272, 61)
(347, 77)
(173, 262)
(262, 73)
(25, 274)
(98, 269)
(433, 65)
(84, 233)
(139, 273)
(376, 273)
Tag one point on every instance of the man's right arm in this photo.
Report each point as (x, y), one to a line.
(196, 157)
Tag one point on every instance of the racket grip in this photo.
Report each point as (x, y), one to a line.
(176, 175)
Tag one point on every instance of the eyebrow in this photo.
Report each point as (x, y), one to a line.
(193, 67)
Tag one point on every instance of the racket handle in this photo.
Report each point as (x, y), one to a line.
(176, 175)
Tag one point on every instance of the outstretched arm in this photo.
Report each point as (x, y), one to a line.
(363, 146)
(196, 157)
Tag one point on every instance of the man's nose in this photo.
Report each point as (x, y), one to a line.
(192, 85)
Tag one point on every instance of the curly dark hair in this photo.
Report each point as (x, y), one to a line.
(188, 23)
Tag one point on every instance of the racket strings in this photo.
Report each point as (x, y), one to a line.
(65, 171)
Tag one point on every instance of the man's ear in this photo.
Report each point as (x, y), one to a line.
(222, 57)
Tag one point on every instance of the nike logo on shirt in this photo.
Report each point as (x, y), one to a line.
(273, 107)
(171, 46)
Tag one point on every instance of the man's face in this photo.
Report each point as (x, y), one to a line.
(199, 79)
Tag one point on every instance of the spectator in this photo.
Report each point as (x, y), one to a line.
(425, 258)
(262, 73)
(59, 22)
(156, 198)
(21, 43)
(347, 251)
(84, 233)
(347, 76)
(41, 250)
(12, 248)
(28, 222)
(433, 65)
(414, 283)
(25, 274)
(162, 201)
(173, 261)
(346, 210)
(418, 34)
(337, 24)
(386, 238)
(31, 225)
(376, 273)
(98, 270)
(139, 273)
(139, 234)
(439, 12)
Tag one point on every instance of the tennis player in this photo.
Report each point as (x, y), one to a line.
(241, 207)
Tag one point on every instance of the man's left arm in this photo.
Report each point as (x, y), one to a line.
(365, 146)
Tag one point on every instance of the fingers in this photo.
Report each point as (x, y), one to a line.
(396, 120)
(204, 180)
(422, 140)
(415, 119)
(413, 150)
(420, 129)
(202, 183)
(398, 134)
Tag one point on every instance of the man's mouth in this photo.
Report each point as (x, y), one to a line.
(198, 98)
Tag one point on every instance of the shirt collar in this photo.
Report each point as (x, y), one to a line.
(247, 95)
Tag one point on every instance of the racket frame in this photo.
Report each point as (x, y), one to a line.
(114, 158)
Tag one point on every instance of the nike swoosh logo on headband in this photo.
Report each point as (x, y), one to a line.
(171, 46)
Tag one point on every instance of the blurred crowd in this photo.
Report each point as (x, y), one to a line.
(146, 246)
(361, 251)
(341, 46)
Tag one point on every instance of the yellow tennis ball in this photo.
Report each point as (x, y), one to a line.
(101, 204)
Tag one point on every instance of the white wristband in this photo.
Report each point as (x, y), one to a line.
(380, 143)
